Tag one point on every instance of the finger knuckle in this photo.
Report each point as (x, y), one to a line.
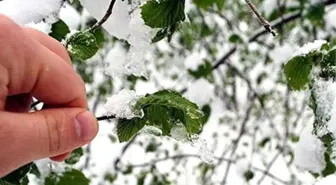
(54, 127)
(7, 27)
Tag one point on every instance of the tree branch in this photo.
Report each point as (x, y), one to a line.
(261, 31)
(105, 18)
(263, 21)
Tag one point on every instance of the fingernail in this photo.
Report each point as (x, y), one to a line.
(86, 126)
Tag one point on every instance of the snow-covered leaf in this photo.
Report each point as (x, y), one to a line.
(74, 156)
(163, 110)
(82, 45)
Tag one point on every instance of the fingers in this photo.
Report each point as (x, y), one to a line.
(34, 68)
(18, 103)
(50, 43)
(42, 134)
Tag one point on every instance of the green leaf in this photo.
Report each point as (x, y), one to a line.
(163, 110)
(235, 38)
(220, 4)
(264, 142)
(297, 71)
(82, 46)
(74, 156)
(315, 13)
(163, 14)
(126, 129)
(206, 109)
(203, 70)
(59, 30)
(248, 175)
(330, 166)
(16, 176)
(204, 4)
(71, 176)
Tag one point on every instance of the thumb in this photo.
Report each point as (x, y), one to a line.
(25, 137)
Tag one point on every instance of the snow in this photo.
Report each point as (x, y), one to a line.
(179, 132)
(120, 63)
(325, 94)
(201, 92)
(28, 11)
(203, 151)
(309, 152)
(121, 105)
(70, 16)
(242, 166)
(309, 47)
(331, 179)
(194, 60)
(125, 23)
(41, 26)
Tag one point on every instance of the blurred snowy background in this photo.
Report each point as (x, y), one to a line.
(222, 59)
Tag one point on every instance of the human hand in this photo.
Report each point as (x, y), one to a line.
(33, 64)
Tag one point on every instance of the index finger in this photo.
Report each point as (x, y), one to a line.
(32, 68)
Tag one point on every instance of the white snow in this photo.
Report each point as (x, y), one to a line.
(121, 105)
(194, 60)
(325, 94)
(179, 132)
(27, 11)
(309, 47)
(70, 16)
(125, 23)
(201, 92)
(203, 151)
(41, 26)
(120, 63)
(309, 152)
(242, 166)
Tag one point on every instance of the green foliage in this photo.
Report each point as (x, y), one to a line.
(235, 38)
(297, 72)
(208, 3)
(165, 14)
(248, 175)
(59, 30)
(315, 13)
(203, 70)
(74, 156)
(82, 46)
(70, 176)
(18, 175)
(163, 110)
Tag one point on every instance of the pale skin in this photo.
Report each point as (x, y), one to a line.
(32, 64)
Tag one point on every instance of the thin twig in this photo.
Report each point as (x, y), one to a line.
(103, 118)
(123, 151)
(105, 18)
(236, 142)
(34, 104)
(263, 21)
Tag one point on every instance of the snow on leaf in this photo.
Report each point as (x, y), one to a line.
(122, 105)
(163, 109)
(309, 48)
(309, 152)
(30, 11)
